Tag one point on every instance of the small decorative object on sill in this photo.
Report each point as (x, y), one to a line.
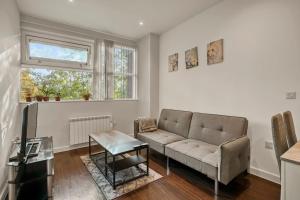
(86, 95)
(46, 98)
(39, 98)
(28, 99)
(28, 94)
(46, 90)
(57, 97)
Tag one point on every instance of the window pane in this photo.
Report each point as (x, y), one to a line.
(123, 87)
(124, 76)
(56, 52)
(70, 85)
(123, 60)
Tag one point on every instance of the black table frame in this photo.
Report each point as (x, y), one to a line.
(113, 169)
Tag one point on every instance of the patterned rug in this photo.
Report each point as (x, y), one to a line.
(107, 189)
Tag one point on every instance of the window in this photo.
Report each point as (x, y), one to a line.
(39, 50)
(55, 66)
(67, 84)
(121, 74)
(53, 52)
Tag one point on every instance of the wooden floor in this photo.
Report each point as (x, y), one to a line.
(73, 181)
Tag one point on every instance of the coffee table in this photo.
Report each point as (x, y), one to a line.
(116, 147)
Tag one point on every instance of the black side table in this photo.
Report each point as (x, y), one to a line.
(33, 179)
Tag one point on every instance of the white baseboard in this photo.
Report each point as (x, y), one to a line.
(4, 192)
(265, 175)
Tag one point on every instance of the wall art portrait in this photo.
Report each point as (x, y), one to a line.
(215, 52)
(173, 62)
(191, 58)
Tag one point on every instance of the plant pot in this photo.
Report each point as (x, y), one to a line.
(46, 98)
(57, 98)
(28, 99)
(86, 97)
(39, 98)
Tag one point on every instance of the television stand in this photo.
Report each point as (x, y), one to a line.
(32, 179)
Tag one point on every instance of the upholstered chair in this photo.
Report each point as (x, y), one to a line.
(279, 137)
(291, 133)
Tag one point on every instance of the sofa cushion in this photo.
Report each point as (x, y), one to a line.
(216, 129)
(158, 139)
(196, 154)
(175, 121)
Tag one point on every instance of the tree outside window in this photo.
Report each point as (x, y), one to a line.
(69, 85)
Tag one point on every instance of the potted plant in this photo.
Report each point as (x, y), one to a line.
(28, 98)
(39, 96)
(86, 95)
(28, 94)
(46, 90)
(57, 96)
(57, 92)
(46, 95)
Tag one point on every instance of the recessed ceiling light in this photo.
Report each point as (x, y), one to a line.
(71, 1)
(141, 23)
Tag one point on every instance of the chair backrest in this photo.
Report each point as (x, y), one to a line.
(279, 137)
(291, 133)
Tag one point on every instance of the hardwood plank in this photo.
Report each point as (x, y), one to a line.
(72, 181)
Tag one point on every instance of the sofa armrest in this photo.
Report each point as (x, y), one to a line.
(234, 159)
(136, 127)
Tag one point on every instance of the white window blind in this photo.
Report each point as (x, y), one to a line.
(120, 70)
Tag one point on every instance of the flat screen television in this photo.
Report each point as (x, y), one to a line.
(29, 126)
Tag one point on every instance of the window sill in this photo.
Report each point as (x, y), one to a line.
(79, 101)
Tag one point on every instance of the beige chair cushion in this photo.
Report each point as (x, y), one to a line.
(158, 139)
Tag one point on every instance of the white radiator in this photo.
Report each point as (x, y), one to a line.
(81, 127)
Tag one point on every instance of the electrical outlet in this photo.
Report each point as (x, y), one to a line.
(268, 145)
(291, 95)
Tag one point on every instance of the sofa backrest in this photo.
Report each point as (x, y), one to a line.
(175, 121)
(217, 129)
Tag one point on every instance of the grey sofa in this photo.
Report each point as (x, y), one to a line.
(215, 145)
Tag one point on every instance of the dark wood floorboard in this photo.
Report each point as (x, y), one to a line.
(73, 181)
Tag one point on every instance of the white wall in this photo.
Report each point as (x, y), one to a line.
(154, 75)
(262, 63)
(53, 117)
(148, 75)
(143, 76)
(9, 82)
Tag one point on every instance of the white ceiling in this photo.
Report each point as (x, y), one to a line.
(118, 17)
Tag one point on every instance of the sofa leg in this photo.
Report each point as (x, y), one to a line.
(168, 169)
(217, 182)
(216, 187)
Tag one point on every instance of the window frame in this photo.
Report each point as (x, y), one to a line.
(134, 73)
(93, 65)
(61, 42)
